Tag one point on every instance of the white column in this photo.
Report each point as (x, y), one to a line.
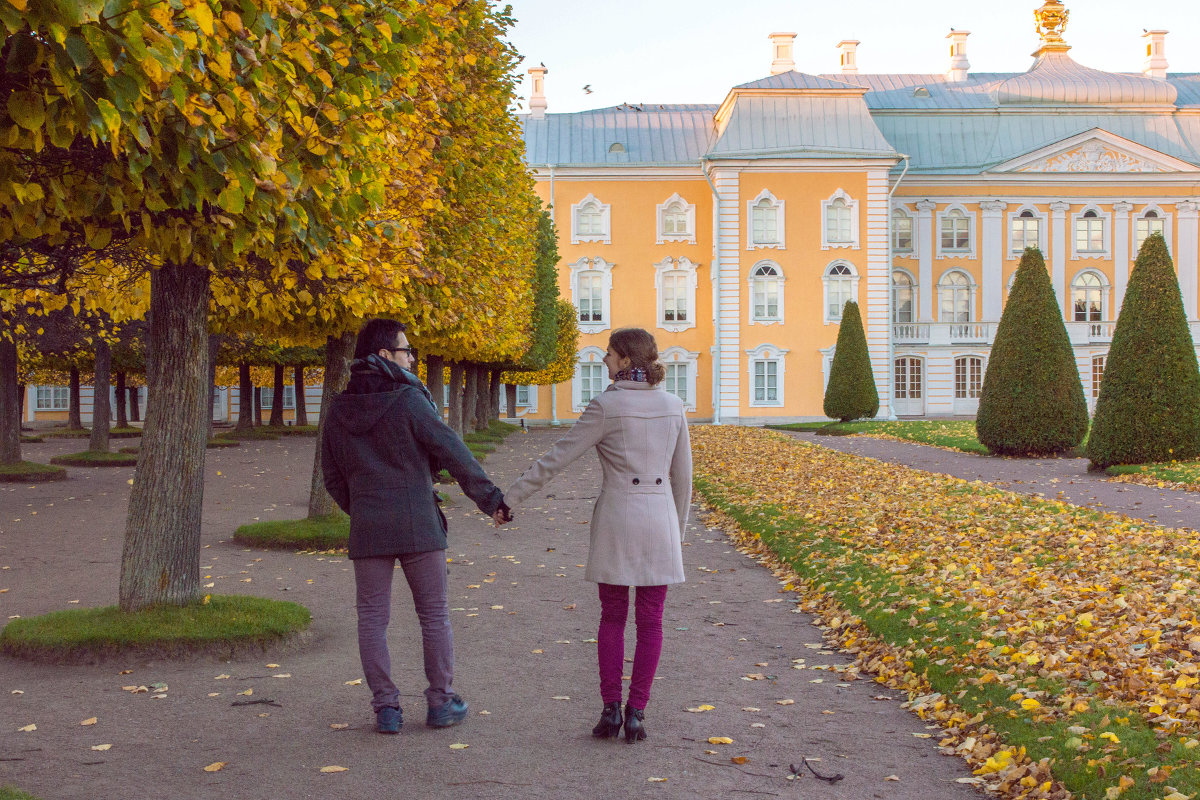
(1188, 253)
(879, 286)
(1058, 250)
(992, 245)
(1120, 243)
(729, 385)
(925, 248)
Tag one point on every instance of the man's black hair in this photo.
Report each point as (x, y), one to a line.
(375, 335)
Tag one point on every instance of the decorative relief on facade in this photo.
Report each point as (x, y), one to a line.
(1093, 156)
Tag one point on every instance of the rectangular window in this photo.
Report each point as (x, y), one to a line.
(523, 395)
(1097, 374)
(289, 397)
(837, 223)
(674, 293)
(676, 381)
(591, 377)
(590, 222)
(766, 298)
(1025, 233)
(766, 381)
(956, 232)
(765, 225)
(1145, 227)
(591, 304)
(902, 232)
(1089, 235)
(968, 378)
(839, 293)
(52, 398)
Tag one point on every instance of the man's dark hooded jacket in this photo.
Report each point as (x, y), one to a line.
(382, 441)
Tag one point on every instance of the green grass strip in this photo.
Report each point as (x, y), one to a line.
(225, 621)
(249, 434)
(25, 471)
(92, 458)
(319, 533)
(957, 434)
(13, 793)
(936, 633)
(67, 433)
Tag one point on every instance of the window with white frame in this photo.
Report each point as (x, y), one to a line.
(1087, 297)
(525, 395)
(766, 293)
(52, 398)
(955, 297)
(968, 377)
(765, 364)
(1091, 234)
(676, 221)
(765, 214)
(902, 231)
(591, 291)
(955, 232)
(903, 296)
(675, 279)
(1024, 230)
(591, 377)
(1151, 221)
(268, 397)
(591, 221)
(681, 366)
(839, 221)
(841, 284)
(1097, 373)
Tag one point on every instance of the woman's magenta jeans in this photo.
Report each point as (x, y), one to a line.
(610, 647)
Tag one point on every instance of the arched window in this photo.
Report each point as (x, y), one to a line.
(591, 288)
(954, 297)
(1089, 232)
(837, 222)
(1026, 231)
(1087, 297)
(1148, 223)
(841, 285)
(676, 220)
(766, 294)
(903, 297)
(590, 221)
(765, 222)
(591, 377)
(956, 231)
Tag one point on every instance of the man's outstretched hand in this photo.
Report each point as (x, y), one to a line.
(502, 515)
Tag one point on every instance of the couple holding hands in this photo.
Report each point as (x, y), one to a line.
(385, 438)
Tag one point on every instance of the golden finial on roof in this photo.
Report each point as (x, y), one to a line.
(1051, 18)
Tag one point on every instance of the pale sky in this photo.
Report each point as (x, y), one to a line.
(694, 51)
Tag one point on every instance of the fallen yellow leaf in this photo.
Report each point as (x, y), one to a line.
(459, 746)
(785, 702)
(89, 721)
(720, 740)
(28, 728)
(701, 708)
(216, 766)
(739, 759)
(339, 726)
(334, 768)
(355, 682)
(101, 746)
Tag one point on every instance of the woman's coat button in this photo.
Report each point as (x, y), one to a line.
(658, 481)
(636, 481)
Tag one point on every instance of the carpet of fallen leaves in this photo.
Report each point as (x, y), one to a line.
(1099, 607)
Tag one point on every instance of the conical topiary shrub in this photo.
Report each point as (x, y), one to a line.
(851, 392)
(1032, 402)
(1149, 404)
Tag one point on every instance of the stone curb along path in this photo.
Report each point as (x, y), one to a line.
(525, 623)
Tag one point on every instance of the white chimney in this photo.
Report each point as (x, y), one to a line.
(849, 48)
(1155, 65)
(781, 52)
(958, 56)
(537, 98)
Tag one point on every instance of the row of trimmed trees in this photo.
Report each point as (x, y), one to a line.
(1032, 402)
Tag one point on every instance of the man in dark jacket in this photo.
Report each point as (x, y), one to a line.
(383, 440)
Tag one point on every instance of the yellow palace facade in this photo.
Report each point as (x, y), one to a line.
(736, 232)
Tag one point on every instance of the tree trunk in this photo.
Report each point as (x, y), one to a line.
(301, 401)
(470, 396)
(135, 414)
(121, 397)
(258, 407)
(435, 369)
(457, 378)
(510, 399)
(214, 348)
(483, 398)
(21, 389)
(100, 390)
(74, 422)
(10, 414)
(494, 396)
(277, 398)
(245, 398)
(160, 563)
(338, 351)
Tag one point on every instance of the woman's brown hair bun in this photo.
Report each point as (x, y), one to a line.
(638, 345)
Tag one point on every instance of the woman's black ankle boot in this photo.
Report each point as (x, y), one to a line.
(634, 727)
(609, 726)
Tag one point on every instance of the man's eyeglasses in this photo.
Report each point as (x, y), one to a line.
(412, 351)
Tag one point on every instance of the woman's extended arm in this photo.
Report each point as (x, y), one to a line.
(681, 476)
(584, 435)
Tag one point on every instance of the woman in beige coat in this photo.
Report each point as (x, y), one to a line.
(640, 433)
